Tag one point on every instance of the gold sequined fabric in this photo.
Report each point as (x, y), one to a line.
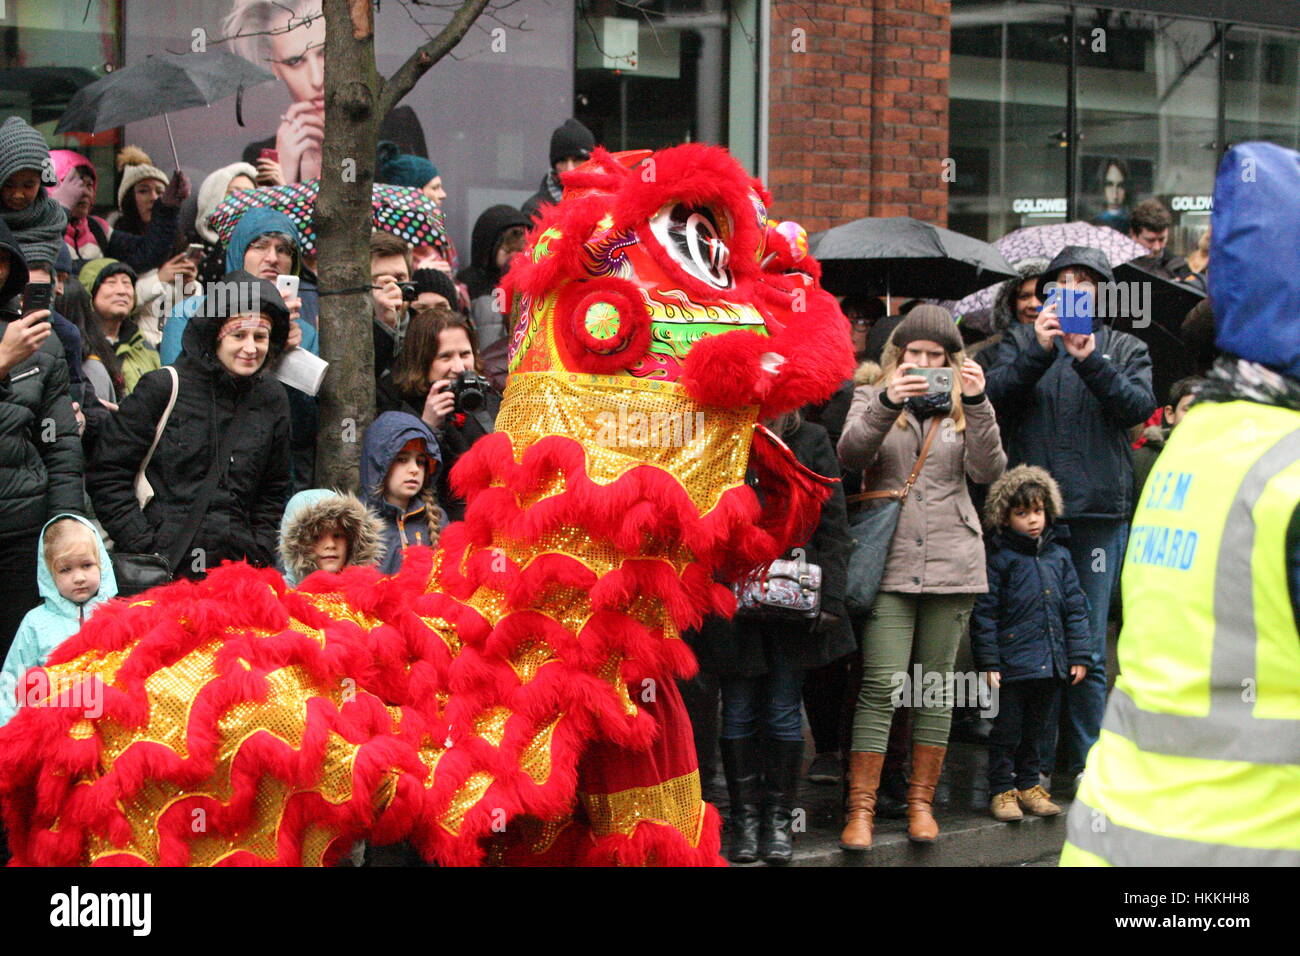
(677, 803)
(622, 422)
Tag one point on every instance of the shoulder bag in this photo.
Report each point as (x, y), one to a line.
(873, 530)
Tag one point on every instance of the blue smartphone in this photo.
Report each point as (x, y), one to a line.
(1074, 309)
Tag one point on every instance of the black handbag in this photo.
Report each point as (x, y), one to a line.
(136, 573)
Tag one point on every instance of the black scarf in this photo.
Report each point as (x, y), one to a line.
(927, 406)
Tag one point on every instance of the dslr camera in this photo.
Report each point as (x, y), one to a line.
(409, 292)
(470, 390)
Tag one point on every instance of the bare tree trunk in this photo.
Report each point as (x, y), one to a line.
(357, 99)
(342, 220)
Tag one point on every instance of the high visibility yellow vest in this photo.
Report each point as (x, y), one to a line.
(1198, 761)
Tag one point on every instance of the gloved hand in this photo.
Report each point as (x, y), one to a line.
(177, 191)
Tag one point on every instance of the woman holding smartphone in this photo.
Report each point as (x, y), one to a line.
(935, 565)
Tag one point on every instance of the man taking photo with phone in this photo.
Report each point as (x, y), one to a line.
(40, 451)
(1065, 402)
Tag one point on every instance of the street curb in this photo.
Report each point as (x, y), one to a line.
(961, 844)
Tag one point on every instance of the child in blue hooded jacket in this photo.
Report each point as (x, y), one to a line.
(75, 576)
(399, 463)
(1028, 633)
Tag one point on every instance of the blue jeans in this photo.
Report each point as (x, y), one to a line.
(769, 704)
(1097, 548)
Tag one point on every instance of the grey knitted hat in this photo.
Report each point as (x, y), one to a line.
(38, 229)
(22, 147)
(929, 322)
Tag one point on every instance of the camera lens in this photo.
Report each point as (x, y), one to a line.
(471, 400)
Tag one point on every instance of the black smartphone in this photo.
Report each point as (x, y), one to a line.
(37, 296)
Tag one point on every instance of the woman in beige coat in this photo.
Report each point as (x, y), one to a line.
(935, 565)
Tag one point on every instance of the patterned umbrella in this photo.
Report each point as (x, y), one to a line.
(1045, 242)
(402, 210)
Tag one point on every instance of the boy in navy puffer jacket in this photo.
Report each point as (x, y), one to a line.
(1029, 633)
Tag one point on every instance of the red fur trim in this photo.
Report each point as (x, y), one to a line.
(655, 844)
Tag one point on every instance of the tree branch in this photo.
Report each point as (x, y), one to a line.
(409, 73)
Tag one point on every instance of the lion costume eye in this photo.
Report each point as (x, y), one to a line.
(692, 238)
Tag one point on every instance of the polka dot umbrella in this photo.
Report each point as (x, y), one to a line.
(401, 210)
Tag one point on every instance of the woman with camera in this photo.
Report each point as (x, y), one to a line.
(437, 378)
(929, 399)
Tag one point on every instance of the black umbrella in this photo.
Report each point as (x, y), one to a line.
(1155, 312)
(1169, 301)
(159, 84)
(900, 255)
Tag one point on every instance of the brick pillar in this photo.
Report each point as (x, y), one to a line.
(859, 110)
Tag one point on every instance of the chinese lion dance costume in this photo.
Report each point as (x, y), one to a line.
(510, 697)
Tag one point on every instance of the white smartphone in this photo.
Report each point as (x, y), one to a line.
(287, 286)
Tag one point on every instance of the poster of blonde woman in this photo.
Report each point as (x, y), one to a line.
(288, 39)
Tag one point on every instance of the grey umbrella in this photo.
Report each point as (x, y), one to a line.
(159, 84)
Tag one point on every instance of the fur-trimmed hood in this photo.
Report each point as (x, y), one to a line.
(866, 373)
(1004, 489)
(1004, 303)
(309, 513)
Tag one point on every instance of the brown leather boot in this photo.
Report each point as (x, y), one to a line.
(860, 807)
(927, 763)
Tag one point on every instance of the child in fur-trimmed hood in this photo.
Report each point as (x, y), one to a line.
(328, 530)
(1029, 632)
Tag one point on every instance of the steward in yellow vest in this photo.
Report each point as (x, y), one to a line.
(1198, 762)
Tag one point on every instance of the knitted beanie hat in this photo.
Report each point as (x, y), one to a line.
(571, 139)
(94, 272)
(22, 147)
(931, 323)
(435, 280)
(136, 165)
(213, 191)
(403, 169)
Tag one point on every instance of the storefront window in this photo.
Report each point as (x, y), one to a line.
(1147, 92)
(663, 73)
(1262, 87)
(1148, 102)
(1007, 116)
(48, 51)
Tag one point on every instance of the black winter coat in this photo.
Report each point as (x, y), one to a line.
(240, 425)
(40, 451)
(1033, 621)
(1072, 417)
(744, 647)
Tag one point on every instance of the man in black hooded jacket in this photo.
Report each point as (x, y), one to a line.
(1067, 406)
(40, 451)
(498, 235)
